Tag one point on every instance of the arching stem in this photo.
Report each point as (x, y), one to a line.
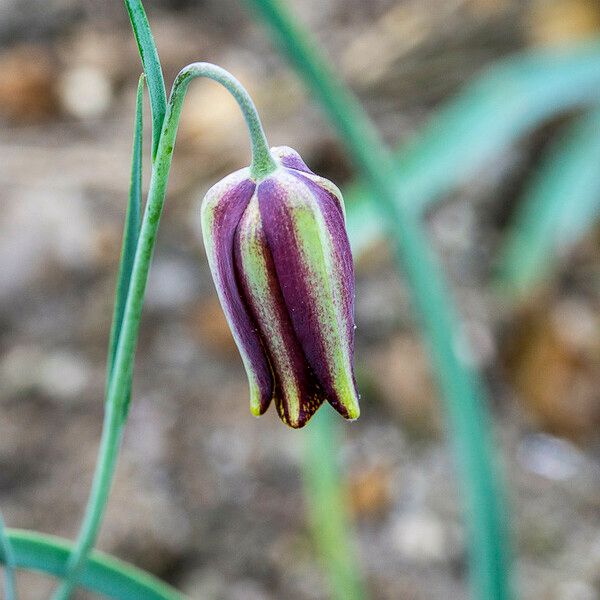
(120, 380)
(263, 162)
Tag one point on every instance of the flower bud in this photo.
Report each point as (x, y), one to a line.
(281, 262)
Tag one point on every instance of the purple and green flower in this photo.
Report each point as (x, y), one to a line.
(281, 261)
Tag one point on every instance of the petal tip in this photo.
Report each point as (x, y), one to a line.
(290, 159)
(259, 400)
(353, 413)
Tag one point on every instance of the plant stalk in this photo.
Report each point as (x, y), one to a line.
(121, 375)
(462, 390)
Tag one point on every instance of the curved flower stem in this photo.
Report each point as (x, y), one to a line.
(6, 550)
(120, 381)
(262, 160)
(462, 390)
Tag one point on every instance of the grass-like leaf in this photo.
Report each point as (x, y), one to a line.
(152, 68)
(511, 99)
(131, 229)
(101, 574)
(561, 203)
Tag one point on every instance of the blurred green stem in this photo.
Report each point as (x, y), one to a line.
(466, 406)
(10, 588)
(327, 506)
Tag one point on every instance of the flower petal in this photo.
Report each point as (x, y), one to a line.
(290, 159)
(297, 393)
(221, 212)
(306, 235)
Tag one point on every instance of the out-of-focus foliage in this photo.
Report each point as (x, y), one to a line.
(507, 102)
(560, 204)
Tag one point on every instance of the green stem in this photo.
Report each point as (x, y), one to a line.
(327, 506)
(262, 160)
(112, 431)
(115, 416)
(101, 574)
(462, 389)
(120, 382)
(6, 549)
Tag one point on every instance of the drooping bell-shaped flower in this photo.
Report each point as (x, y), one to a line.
(280, 258)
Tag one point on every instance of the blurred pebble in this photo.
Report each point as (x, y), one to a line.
(575, 590)
(551, 356)
(172, 284)
(35, 230)
(370, 493)
(27, 84)
(85, 92)
(401, 374)
(576, 323)
(549, 457)
(211, 123)
(475, 344)
(210, 326)
(63, 376)
(60, 375)
(247, 590)
(420, 537)
(204, 584)
(552, 22)
(372, 53)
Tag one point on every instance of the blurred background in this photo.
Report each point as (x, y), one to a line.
(206, 496)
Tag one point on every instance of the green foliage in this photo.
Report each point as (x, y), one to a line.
(116, 410)
(131, 234)
(462, 390)
(102, 574)
(508, 101)
(561, 203)
(152, 69)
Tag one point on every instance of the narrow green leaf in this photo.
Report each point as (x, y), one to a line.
(509, 100)
(131, 229)
(152, 68)
(561, 203)
(102, 573)
(7, 552)
(133, 221)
